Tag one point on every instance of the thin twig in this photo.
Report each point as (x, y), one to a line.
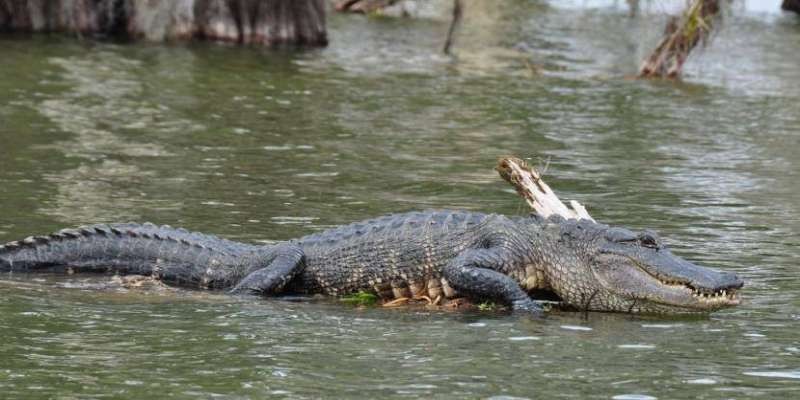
(458, 12)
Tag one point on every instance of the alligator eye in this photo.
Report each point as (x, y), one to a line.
(648, 240)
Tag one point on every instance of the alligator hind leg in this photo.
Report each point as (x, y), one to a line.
(283, 263)
(474, 274)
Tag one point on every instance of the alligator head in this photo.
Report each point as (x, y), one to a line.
(615, 269)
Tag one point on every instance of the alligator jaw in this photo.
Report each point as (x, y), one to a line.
(704, 299)
(661, 282)
(692, 296)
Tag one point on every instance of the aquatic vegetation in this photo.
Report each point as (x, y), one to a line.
(360, 299)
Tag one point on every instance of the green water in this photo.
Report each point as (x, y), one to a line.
(258, 146)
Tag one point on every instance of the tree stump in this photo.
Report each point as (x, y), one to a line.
(791, 5)
(258, 22)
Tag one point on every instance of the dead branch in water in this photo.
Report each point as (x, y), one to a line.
(362, 6)
(680, 37)
(458, 12)
(537, 194)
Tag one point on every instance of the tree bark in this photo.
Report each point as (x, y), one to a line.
(791, 5)
(260, 22)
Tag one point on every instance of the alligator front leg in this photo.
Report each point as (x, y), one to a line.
(283, 263)
(474, 273)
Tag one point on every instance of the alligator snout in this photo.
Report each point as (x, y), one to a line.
(729, 280)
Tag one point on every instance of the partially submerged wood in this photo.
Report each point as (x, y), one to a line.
(362, 6)
(458, 13)
(529, 184)
(426, 9)
(261, 22)
(681, 36)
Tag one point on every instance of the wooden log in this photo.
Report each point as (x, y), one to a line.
(428, 9)
(362, 6)
(529, 184)
(260, 22)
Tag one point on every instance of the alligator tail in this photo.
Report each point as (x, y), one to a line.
(173, 255)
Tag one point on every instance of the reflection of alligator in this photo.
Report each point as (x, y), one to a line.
(588, 266)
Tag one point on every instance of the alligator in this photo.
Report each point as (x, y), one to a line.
(512, 261)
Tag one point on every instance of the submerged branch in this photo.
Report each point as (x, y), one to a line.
(680, 37)
(458, 13)
(537, 194)
(362, 6)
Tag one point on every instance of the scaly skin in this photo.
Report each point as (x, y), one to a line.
(483, 257)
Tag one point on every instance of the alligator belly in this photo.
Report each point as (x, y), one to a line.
(433, 288)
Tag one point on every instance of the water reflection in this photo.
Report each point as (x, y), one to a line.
(101, 100)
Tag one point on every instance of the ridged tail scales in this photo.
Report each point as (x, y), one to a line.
(174, 255)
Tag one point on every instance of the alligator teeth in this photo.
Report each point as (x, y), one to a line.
(722, 295)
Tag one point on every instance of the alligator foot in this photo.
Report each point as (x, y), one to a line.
(135, 281)
(527, 307)
(457, 304)
(475, 274)
(281, 264)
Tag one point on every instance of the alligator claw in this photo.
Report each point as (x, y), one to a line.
(527, 307)
(397, 302)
